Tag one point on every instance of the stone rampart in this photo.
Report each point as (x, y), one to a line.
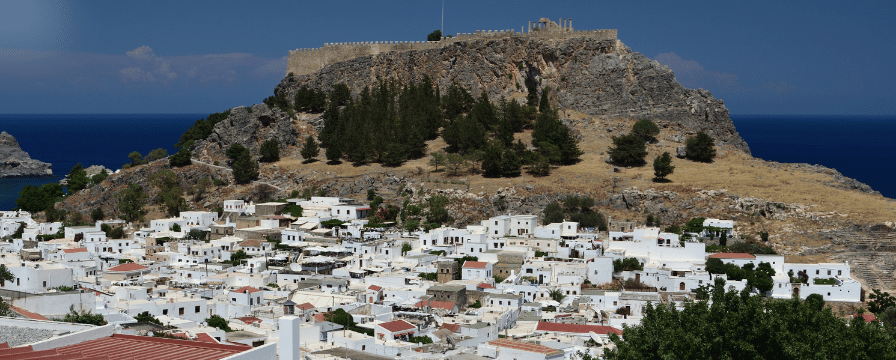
(309, 61)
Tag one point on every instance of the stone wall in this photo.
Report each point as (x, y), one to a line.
(309, 61)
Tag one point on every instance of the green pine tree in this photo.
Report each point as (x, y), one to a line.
(310, 149)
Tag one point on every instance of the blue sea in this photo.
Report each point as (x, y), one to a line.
(859, 147)
(89, 139)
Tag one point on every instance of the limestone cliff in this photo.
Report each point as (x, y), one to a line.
(15, 162)
(249, 127)
(601, 78)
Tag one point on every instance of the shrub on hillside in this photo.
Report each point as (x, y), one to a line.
(700, 148)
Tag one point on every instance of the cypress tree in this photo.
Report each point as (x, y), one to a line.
(334, 153)
(310, 150)
(270, 150)
(662, 166)
(510, 164)
(491, 161)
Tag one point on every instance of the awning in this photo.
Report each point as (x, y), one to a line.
(309, 226)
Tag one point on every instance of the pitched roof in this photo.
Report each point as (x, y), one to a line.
(128, 267)
(398, 325)
(525, 346)
(27, 314)
(447, 305)
(250, 243)
(249, 319)
(305, 306)
(575, 328)
(321, 317)
(732, 256)
(475, 264)
(451, 327)
(75, 250)
(375, 288)
(120, 346)
(244, 289)
(485, 286)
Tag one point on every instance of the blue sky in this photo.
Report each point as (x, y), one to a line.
(760, 57)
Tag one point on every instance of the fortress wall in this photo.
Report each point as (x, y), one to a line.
(309, 61)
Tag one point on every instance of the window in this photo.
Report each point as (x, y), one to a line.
(816, 272)
(180, 311)
(829, 272)
(197, 309)
(164, 311)
(839, 272)
(45, 284)
(614, 303)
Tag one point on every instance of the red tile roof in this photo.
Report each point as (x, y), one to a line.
(75, 250)
(250, 243)
(485, 286)
(129, 347)
(319, 317)
(375, 288)
(305, 306)
(244, 289)
(475, 264)
(575, 328)
(451, 327)
(397, 325)
(447, 305)
(27, 314)
(731, 256)
(204, 337)
(128, 267)
(525, 346)
(249, 319)
(869, 317)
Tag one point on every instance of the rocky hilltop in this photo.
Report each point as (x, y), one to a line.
(14, 162)
(249, 127)
(601, 78)
(810, 213)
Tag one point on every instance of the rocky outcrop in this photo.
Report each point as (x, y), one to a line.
(90, 170)
(14, 162)
(604, 79)
(249, 129)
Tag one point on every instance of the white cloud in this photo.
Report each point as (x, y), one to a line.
(131, 74)
(143, 53)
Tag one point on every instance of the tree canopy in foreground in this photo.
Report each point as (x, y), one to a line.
(745, 326)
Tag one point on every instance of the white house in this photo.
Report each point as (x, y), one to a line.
(199, 218)
(476, 270)
(726, 226)
(246, 295)
(398, 329)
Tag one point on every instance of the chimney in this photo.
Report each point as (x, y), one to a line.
(289, 338)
